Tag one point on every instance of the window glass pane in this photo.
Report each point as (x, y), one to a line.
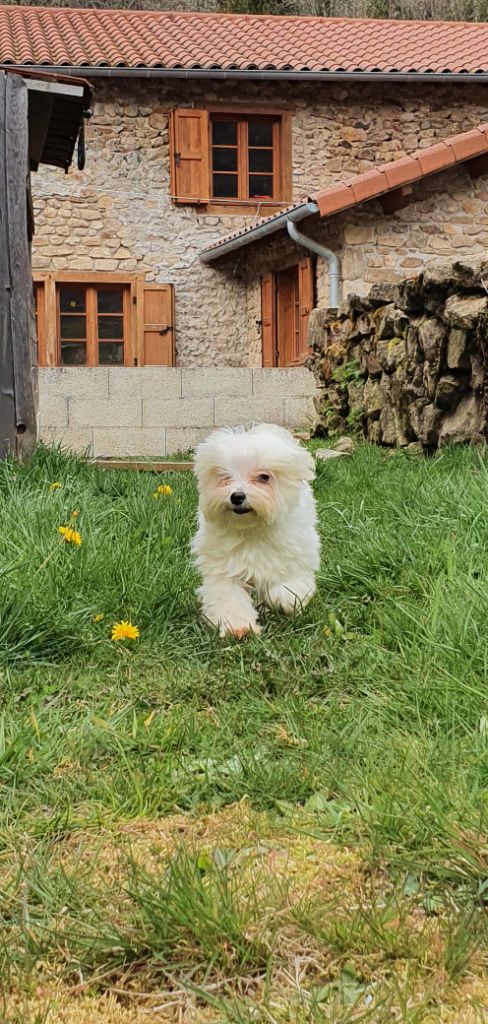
(110, 327)
(110, 300)
(73, 326)
(260, 185)
(225, 186)
(260, 134)
(226, 160)
(261, 160)
(110, 353)
(224, 133)
(72, 298)
(73, 355)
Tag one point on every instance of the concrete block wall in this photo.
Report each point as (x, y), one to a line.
(115, 412)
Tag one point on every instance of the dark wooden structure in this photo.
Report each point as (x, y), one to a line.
(40, 122)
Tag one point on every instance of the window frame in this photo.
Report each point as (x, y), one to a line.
(91, 314)
(282, 159)
(243, 149)
(46, 285)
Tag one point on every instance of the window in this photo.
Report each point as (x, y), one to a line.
(286, 303)
(103, 320)
(243, 158)
(225, 157)
(92, 324)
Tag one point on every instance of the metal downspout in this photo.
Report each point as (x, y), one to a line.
(320, 250)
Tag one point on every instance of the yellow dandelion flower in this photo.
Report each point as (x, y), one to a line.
(99, 617)
(124, 631)
(162, 489)
(55, 485)
(71, 536)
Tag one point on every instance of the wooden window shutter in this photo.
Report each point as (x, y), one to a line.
(268, 319)
(305, 298)
(156, 342)
(190, 156)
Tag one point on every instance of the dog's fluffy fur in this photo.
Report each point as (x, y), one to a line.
(267, 545)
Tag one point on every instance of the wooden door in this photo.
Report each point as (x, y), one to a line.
(288, 318)
(268, 319)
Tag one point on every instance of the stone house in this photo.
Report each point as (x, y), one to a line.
(240, 170)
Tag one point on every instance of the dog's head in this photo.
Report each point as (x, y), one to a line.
(246, 476)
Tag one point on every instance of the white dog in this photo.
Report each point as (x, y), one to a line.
(257, 526)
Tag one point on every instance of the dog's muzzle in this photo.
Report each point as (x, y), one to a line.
(239, 504)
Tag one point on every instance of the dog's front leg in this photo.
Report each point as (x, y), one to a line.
(227, 604)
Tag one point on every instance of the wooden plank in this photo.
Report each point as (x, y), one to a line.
(158, 346)
(48, 353)
(54, 88)
(21, 295)
(7, 404)
(190, 155)
(148, 467)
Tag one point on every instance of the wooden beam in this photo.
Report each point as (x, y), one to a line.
(21, 291)
(54, 88)
(397, 199)
(148, 467)
(7, 390)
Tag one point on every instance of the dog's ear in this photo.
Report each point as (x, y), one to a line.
(305, 464)
(204, 457)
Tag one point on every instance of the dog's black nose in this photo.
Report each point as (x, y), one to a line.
(237, 498)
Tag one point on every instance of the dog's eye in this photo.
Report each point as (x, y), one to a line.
(264, 478)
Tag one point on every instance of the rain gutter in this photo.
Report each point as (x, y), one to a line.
(323, 252)
(87, 71)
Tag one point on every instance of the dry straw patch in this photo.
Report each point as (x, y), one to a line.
(329, 937)
(300, 858)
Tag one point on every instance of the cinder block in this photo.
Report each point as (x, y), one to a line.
(124, 382)
(144, 382)
(291, 382)
(184, 440)
(73, 381)
(80, 441)
(160, 381)
(178, 412)
(91, 412)
(116, 443)
(299, 412)
(53, 411)
(233, 412)
(200, 381)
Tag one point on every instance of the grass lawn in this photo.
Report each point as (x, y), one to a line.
(288, 829)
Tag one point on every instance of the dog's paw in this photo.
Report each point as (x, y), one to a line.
(239, 632)
(291, 597)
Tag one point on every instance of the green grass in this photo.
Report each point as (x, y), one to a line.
(362, 724)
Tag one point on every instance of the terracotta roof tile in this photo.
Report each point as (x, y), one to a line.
(183, 40)
(384, 178)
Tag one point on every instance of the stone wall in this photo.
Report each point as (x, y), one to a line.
(117, 215)
(156, 411)
(407, 363)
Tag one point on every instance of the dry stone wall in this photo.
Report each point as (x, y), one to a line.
(407, 364)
